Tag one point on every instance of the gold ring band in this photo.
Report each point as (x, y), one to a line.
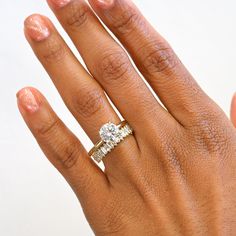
(111, 135)
(100, 143)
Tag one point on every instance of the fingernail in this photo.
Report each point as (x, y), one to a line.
(104, 3)
(37, 28)
(27, 100)
(59, 3)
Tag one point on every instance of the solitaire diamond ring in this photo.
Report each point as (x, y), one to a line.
(111, 135)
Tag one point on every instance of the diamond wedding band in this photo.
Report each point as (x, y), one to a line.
(111, 135)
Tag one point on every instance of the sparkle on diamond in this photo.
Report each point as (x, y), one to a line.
(109, 132)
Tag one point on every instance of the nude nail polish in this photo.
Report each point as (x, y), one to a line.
(37, 28)
(27, 100)
(105, 2)
(59, 3)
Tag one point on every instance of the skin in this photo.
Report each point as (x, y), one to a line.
(177, 174)
(233, 110)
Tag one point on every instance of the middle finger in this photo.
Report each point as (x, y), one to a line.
(108, 62)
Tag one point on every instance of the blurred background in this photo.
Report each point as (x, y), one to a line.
(34, 198)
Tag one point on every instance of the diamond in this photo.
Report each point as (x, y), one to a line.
(104, 150)
(109, 133)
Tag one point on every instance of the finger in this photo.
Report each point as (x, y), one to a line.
(233, 111)
(107, 62)
(153, 56)
(62, 148)
(82, 94)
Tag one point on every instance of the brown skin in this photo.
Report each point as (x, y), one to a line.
(233, 110)
(177, 174)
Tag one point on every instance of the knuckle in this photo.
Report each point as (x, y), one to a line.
(171, 158)
(212, 138)
(158, 58)
(127, 21)
(48, 128)
(54, 51)
(66, 151)
(70, 154)
(114, 65)
(168, 148)
(77, 14)
(88, 103)
(208, 131)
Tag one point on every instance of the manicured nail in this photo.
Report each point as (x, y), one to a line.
(27, 100)
(59, 3)
(37, 28)
(104, 3)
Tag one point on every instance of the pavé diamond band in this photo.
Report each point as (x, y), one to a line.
(111, 135)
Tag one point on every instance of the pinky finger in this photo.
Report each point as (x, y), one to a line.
(62, 148)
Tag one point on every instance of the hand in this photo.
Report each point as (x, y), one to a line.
(176, 175)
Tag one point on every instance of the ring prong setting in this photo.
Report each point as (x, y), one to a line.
(109, 133)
